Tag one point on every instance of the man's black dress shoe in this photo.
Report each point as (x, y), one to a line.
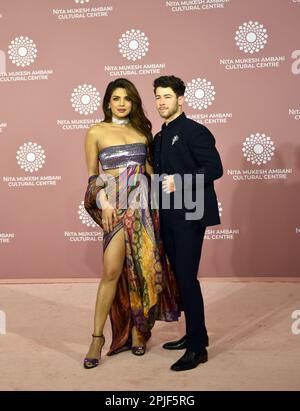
(179, 344)
(190, 360)
(176, 345)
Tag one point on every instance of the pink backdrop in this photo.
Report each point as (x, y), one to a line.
(241, 62)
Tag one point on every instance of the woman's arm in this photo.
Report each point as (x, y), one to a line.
(149, 167)
(91, 151)
(106, 215)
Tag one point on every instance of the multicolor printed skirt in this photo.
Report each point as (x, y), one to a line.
(146, 290)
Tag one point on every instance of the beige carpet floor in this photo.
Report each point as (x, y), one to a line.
(48, 326)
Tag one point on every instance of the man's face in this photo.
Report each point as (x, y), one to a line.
(167, 103)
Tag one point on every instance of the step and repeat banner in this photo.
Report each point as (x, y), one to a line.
(240, 60)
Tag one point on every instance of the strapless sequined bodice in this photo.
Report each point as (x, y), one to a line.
(124, 155)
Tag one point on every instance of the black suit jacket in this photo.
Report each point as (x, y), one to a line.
(189, 148)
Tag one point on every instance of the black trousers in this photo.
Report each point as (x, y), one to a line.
(183, 241)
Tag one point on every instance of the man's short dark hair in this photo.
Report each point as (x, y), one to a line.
(175, 83)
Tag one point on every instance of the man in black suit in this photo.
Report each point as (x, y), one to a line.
(184, 147)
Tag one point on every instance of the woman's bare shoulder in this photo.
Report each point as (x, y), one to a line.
(96, 131)
(97, 128)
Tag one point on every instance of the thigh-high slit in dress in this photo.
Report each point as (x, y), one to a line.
(146, 290)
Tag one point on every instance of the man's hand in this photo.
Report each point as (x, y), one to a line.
(168, 184)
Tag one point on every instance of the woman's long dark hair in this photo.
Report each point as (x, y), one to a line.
(137, 117)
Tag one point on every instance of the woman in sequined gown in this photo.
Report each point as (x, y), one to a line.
(137, 286)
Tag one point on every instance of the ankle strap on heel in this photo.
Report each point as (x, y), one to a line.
(97, 336)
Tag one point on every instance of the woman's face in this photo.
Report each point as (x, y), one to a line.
(120, 103)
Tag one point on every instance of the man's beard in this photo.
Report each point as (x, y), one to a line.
(169, 113)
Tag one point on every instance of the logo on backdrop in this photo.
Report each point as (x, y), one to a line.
(83, 236)
(22, 52)
(30, 158)
(251, 38)
(293, 112)
(221, 233)
(82, 11)
(85, 99)
(195, 5)
(6, 238)
(200, 95)
(85, 217)
(220, 208)
(3, 126)
(134, 45)
(259, 149)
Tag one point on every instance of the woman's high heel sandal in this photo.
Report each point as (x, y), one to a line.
(138, 349)
(93, 362)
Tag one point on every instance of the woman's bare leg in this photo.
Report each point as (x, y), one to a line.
(137, 338)
(113, 260)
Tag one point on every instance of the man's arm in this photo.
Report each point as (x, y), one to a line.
(202, 147)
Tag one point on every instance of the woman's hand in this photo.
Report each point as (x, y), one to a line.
(109, 218)
(109, 214)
